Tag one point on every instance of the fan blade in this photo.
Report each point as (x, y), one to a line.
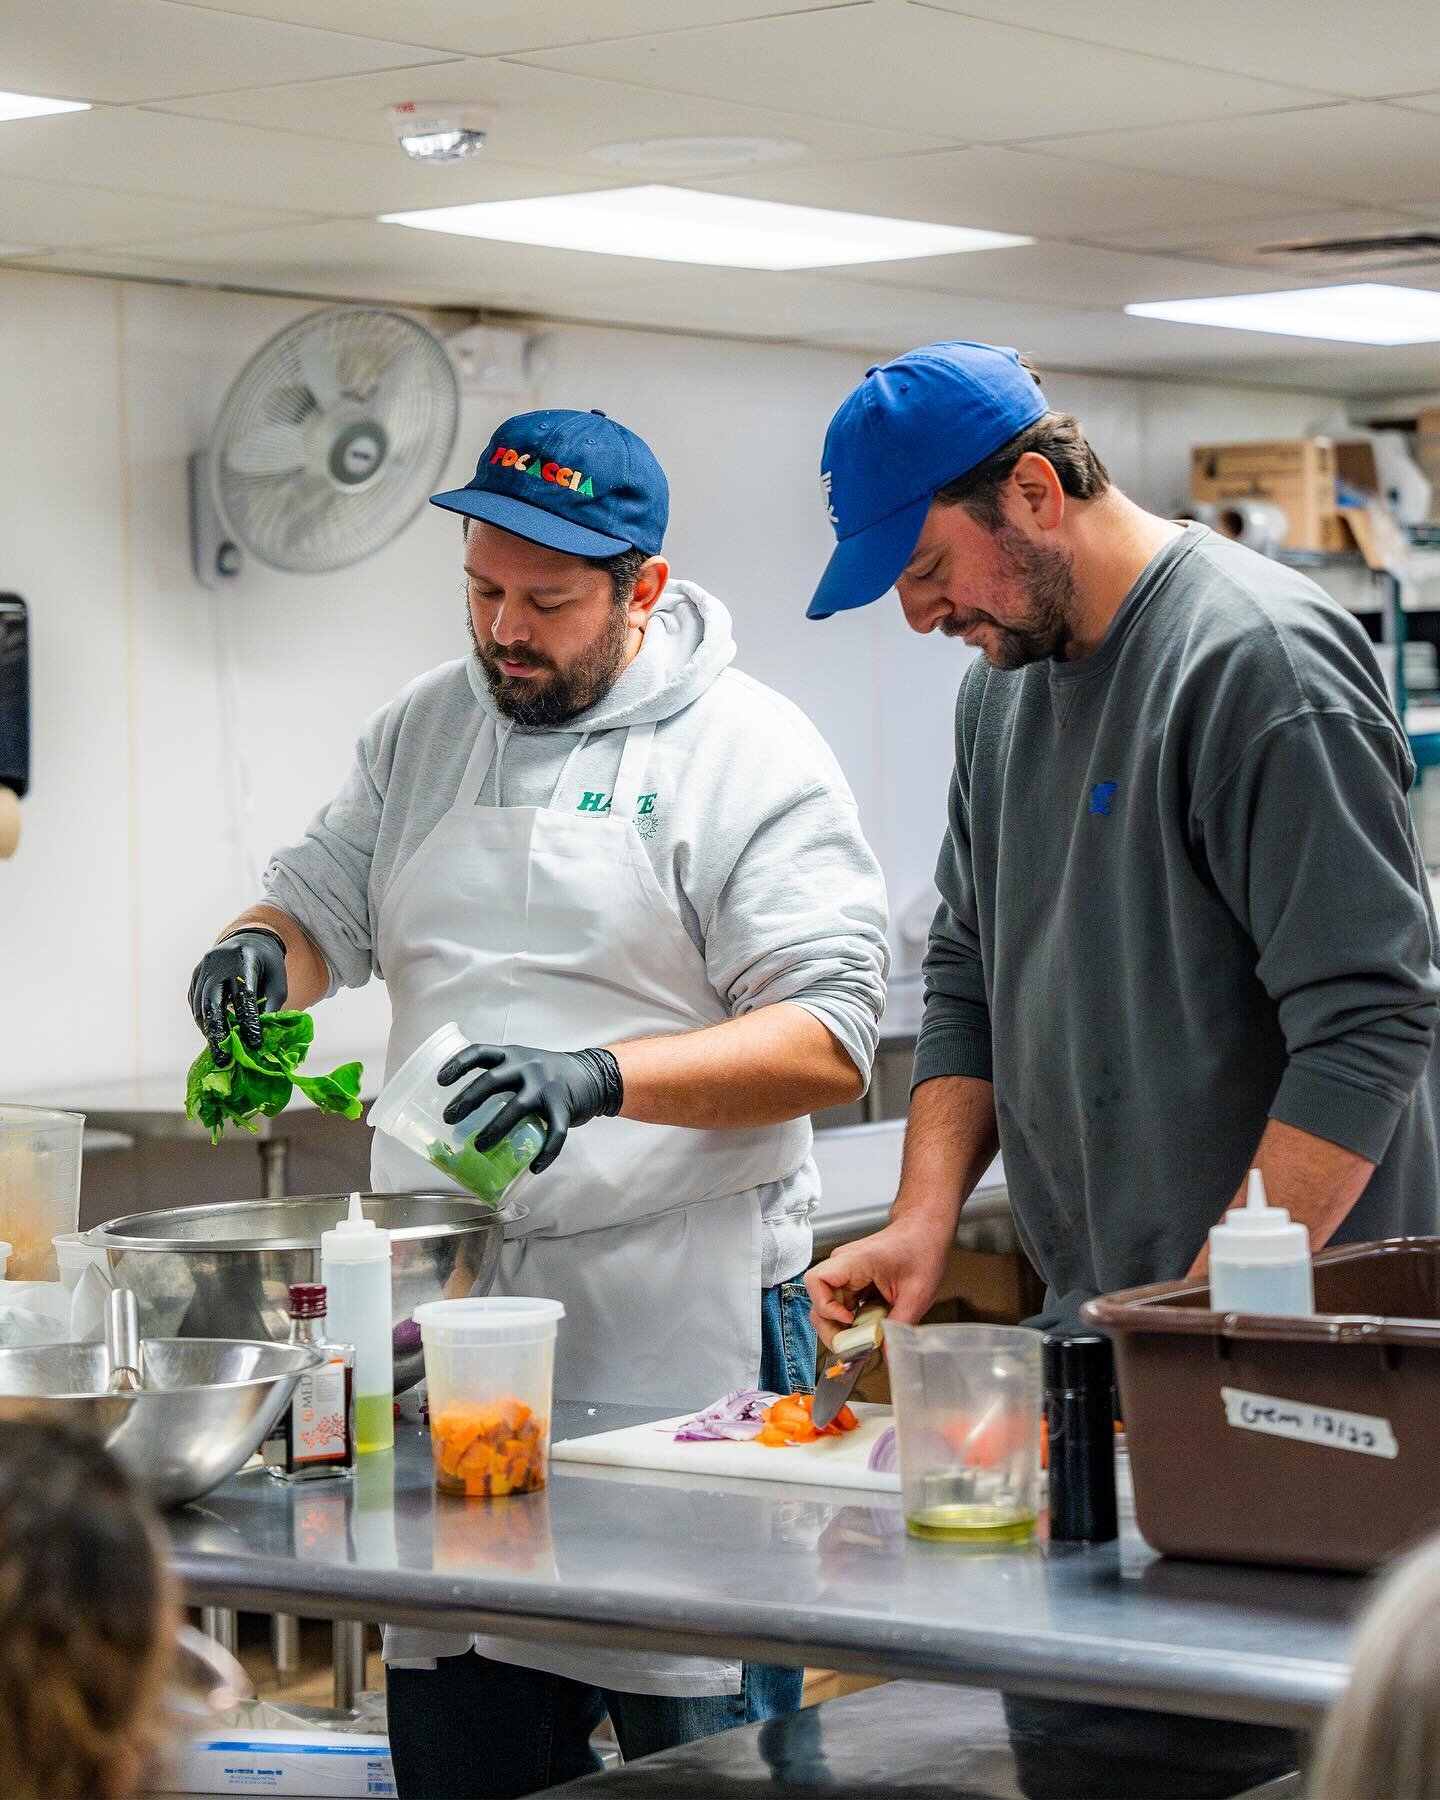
(391, 383)
(267, 450)
(317, 364)
(308, 501)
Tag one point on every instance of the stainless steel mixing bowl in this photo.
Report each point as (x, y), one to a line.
(226, 1270)
(207, 1407)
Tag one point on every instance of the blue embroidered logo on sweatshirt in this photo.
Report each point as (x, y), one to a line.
(1102, 797)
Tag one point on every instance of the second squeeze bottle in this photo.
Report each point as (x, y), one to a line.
(355, 1267)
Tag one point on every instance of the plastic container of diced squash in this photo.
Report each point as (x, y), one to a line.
(489, 1378)
(1305, 1441)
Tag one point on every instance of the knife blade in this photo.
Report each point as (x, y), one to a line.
(850, 1356)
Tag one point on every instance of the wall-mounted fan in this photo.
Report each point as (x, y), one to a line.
(328, 442)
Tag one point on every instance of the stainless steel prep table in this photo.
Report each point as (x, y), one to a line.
(802, 1576)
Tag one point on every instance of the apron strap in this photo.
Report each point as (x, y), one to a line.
(478, 766)
(629, 781)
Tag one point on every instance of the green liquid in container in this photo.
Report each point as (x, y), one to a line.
(488, 1173)
(971, 1524)
(374, 1422)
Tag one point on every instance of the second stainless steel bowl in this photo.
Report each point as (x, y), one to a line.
(226, 1270)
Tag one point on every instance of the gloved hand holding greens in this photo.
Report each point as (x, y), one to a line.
(261, 1081)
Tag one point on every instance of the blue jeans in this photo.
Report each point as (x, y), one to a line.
(473, 1729)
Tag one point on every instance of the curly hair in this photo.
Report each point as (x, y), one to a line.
(87, 1619)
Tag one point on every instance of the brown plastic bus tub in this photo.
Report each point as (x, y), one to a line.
(1310, 1441)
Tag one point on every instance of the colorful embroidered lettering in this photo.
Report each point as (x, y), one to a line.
(522, 462)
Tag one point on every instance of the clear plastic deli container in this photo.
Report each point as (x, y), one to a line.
(411, 1109)
(967, 1413)
(39, 1185)
(1305, 1441)
(489, 1375)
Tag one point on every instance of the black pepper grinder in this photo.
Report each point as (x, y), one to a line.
(1080, 1424)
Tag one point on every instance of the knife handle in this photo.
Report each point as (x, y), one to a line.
(866, 1332)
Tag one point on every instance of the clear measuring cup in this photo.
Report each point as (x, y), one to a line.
(967, 1412)
(411, 1109)
(39, 1185)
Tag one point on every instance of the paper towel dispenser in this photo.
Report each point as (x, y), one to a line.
(14, 694)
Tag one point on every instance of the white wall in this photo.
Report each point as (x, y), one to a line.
(152, 806)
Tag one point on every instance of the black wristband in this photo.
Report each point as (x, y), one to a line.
(612, 1083)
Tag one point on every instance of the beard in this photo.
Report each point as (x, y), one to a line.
(550, 699)
(1046, 577)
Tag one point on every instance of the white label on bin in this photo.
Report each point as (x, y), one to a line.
(1308, 1423)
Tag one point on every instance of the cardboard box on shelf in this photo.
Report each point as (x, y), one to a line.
(1295, 474)
(1426, 451)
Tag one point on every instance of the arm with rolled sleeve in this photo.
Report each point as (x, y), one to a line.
(1309, 841)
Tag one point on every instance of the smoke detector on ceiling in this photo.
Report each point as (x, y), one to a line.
(439, 131)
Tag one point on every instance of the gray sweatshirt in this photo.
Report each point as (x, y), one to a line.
(1181, 894)
(750, 826)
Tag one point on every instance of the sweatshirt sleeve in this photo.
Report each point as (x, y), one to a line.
(1310, 844)
(955, 1027)
(802, 917)
(323, 882)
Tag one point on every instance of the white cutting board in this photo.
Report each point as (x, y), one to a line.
(832, 1462)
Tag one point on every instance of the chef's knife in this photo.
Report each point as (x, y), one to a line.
(849, 1357)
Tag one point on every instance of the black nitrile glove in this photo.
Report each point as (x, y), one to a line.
(245, 972)
(562, 1088)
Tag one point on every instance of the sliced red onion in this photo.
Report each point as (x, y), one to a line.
(885, 1457)
(738, 1417)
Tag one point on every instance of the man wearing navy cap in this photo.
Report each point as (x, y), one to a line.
(636, 878)
(1184, 924)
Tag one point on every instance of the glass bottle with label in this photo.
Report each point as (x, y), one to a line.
(315, 1435)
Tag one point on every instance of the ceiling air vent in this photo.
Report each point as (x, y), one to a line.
(1373, 253)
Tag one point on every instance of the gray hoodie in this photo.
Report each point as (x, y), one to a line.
(750, 826)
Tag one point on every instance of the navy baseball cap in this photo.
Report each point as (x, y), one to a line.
(573, 481)
(911, 427)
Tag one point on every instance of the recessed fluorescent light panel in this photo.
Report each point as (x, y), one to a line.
(1364, 312)
(35, 106)
(670, 224)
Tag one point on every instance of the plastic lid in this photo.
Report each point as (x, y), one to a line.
(1258, 1232)
(307, 1300)
(355, 1239)
(1078, 1360)
(488, 1320)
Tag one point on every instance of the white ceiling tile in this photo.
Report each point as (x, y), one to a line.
(128, 50)
(501, 27)
(1069, 275)
(1429, 102)
(543, 118)
(926, 70)
(1372, 155)
(165, 153)
(49, 213)
(1377, 52)
(1008, 190)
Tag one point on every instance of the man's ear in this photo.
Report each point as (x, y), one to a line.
(1039, 489)
(650, 584)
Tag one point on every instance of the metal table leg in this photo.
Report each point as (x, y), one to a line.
(222, 1624)
(285, 1642)
(274, 1167)
(348, 1651)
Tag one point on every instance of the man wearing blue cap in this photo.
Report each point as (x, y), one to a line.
(1184, 924)
(636, 878)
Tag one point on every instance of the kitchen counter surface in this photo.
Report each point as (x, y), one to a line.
(782, 1575)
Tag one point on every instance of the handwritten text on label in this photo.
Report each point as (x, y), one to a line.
(1309, 1424)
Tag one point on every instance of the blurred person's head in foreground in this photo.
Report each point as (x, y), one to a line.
(87, 1620)
(1381, 1740)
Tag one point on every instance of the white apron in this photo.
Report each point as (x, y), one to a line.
(532, 926)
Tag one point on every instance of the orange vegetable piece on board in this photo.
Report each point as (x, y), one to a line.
(789, 1421)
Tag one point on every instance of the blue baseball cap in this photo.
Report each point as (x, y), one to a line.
(911, 427)
(573, 481)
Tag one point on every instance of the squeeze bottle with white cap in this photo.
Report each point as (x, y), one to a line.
(355, 1267)
(1260, 1259)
